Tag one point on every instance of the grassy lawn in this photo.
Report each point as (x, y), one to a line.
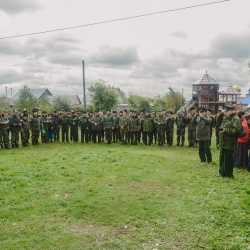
(99, 196)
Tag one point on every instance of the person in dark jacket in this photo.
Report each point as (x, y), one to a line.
(148, 125)
(202, 122)
(96, 122)
(229, 131)
(108, 125)
(84, 125)
(134, 127)
(57, 124)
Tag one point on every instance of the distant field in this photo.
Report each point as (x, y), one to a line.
(99, 196)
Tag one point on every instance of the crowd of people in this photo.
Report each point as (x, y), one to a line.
(231, 130)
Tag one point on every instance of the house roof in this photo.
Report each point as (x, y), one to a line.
(244, 101)
(206, 79)
(73, 99)
(229, 91)
(36, 92)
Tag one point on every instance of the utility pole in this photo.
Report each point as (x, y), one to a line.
(11, 92)
(83, 82)
(6, 91)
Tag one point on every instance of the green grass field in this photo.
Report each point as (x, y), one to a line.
(99, 196)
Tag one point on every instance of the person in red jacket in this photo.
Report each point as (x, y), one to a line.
(241, 152)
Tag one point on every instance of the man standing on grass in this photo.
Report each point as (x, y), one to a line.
(202, 122)
(57, 124)
(134, 128)
(65, 126)
(191, 127)
(160, 123)
(15, 124)
(35, 126)
(123, 124)
(108, 125)
(4, 139)
(181, 124)
(96, 122)
(115, 131)
(229, 131)
(148, 125)
(84, 125)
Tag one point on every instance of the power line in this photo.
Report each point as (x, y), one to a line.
(114, 20)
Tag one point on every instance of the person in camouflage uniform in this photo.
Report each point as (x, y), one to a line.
(65, 126)
(119, 129)
(35, 126)
(25, 129)
(15, 124)
(154, 129)
(108, 125)
(4, 139)
(191, 127)
(84, 125)
(44, 121)
(170, 128)
(90, 115)
(160, 123)
(134, 127)
(50, 128)
(181, 124)
(123, 124)
(212, 125)
(74, 123)
(140, 133)
(96, 122)
(218, 121)
(230, 129)
(129, 134)
(116, 126)
(148, 125)
(57, 124)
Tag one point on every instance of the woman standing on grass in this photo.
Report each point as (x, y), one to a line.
(241, 152)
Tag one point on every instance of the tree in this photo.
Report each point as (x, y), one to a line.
(138, 103)
(103, 96)
(4, 103)
(26, 99)
(160, 103)
(174, 99)
(61, 103)
(44, 105)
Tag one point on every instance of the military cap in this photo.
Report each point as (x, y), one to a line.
(44, 112)
(141, 111)
(55, 111)
(192, 108)
(170, 112)
(25, 115)
(35, 110)
(121, 111)
(210, 110)
(125, 111)
(114, 111)
(202, 110)
(134, 111)
(228, 108)
(147, 111)
(109, 110)
(84, 112)
(50, 114)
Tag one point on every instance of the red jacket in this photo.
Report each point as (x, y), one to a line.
(244, 124)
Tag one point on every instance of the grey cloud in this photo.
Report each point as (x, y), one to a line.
(115, 56)
(235, 46)
(19, 6)
(180, 34)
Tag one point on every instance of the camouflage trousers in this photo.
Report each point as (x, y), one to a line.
(108, 135)
(180, 135)
(191, 136)
(56, 133)
(4, 139)
(84, 135)
(147, 138)
(154, 135)
(115, 135)
(65, 133)
(124, 135)
(169, 136)
(25, 136)
(15, 137)
(134, 137)
(74, 133)
(35, 137)
(160, 135)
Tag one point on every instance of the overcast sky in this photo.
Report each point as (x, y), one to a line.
(142, 56)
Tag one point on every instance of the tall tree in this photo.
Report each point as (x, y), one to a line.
(174, 99)
(160, 103)
(45, 105)
(137, 102)
(103, 96)
(26, 100)
(61, 103)
(4, 103)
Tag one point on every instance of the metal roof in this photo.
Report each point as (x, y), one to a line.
(206, 79)
(229, 91)
(36, 92)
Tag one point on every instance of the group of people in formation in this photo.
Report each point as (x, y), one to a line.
(129, 127)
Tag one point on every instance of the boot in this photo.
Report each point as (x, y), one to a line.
(17, 146)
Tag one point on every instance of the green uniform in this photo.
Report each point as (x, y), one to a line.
(65, 127)
(191, 130)
(116, 119)
(170, 130)
(96, 129)
(84, 125)
(181, 124)
(160, 123)
(123, 124)
(56, 126)
(25, 128)
(203, 137)
(148, 125)
(35, 127)
(74, 123)
(4, 139)
(134, 128)
(44, 134)
(109, 122)
(15, 125)
(228, 143)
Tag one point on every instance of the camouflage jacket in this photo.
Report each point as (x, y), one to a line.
(25, 125)
(15, 122)
(170, 123)
(44, 120)
(84, 122)
(202, 127)
(190, 124)
(109, 121)
(180, 121)
(2, 120)
(134, 124)
(124, 121)
(162, 120)
(116, 120)
(232, 127)
(35, 123)
(74, 121)
(65, 120)
(148, 123)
